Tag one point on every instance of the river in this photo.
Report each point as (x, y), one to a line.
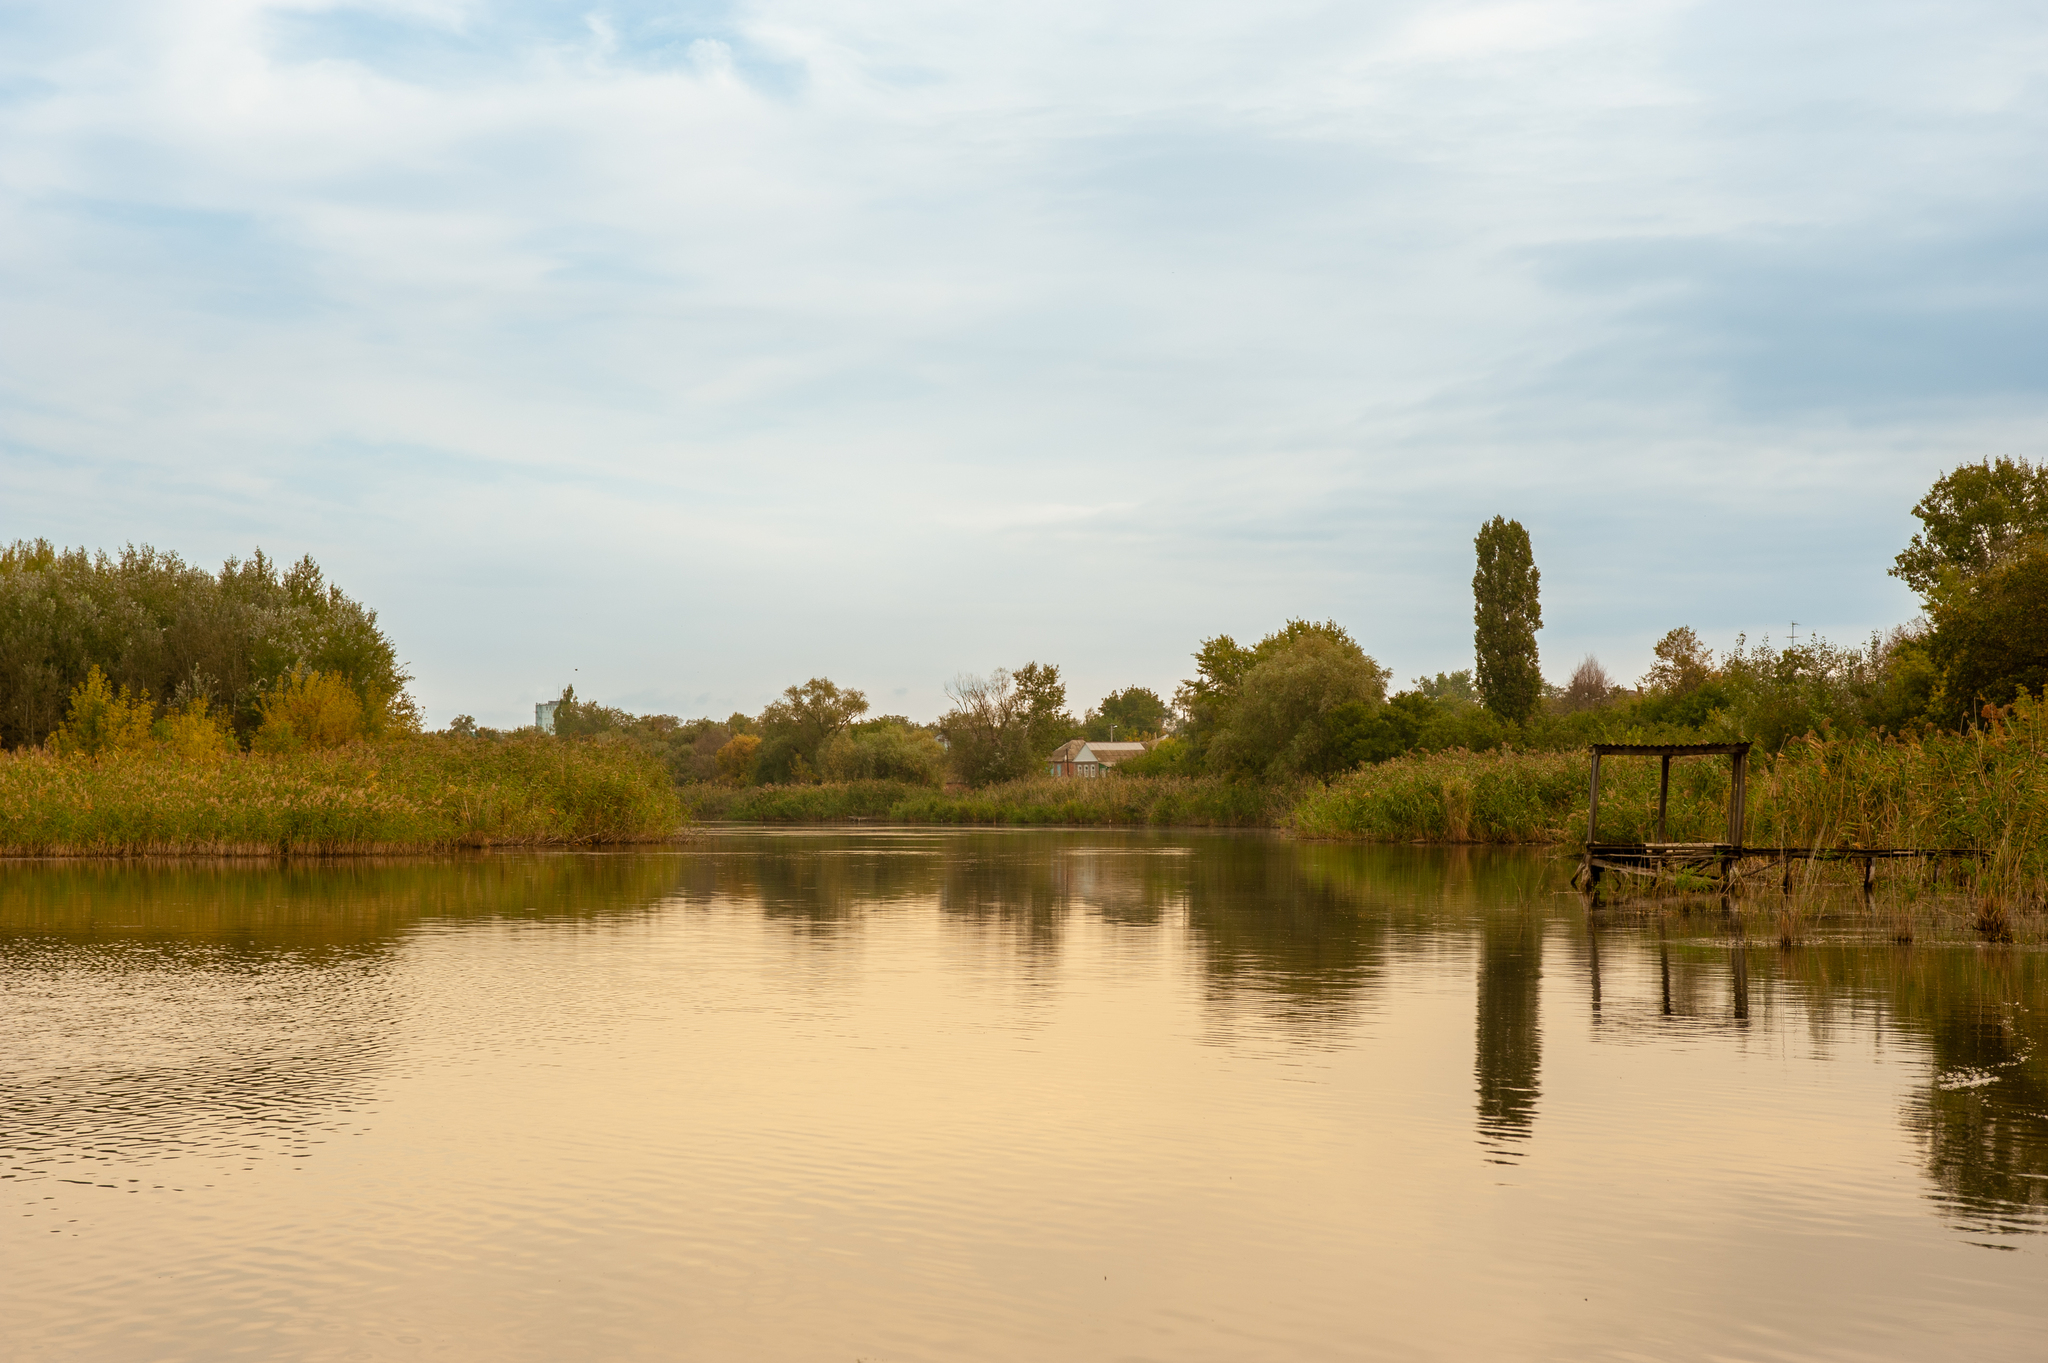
(894, 1095)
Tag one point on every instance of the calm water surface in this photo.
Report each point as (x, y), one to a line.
(922, 1095)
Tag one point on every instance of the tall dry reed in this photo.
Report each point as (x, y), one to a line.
(419, 794)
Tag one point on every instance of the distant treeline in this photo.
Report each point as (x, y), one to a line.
(139, 650)
(1306, 702)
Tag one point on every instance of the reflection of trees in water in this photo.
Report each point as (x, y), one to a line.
(1510, 1041)
(1284, 921)
(1018, 884)
(812, 882)
(262, 909)
(1981, 1119)
(164, 1008)
(1139, 883)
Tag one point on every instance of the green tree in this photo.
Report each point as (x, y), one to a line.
(890, 749)
(1506, 615)
(152, 622)
(1972, 519)
(795, 727)
(1043, 697)
(1280, 723)
(1989, 643)
(1360, 733)
(1132, 713)
(1448, 688)
(1209, 699)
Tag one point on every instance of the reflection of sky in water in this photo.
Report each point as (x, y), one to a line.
(917, 1090)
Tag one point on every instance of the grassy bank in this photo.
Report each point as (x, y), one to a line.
(1987, 789)
(414, 795)
(1191, 802)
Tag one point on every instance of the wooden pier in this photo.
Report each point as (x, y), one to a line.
(1720, 859)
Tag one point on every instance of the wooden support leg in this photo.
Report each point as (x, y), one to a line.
(1663, 796)
(1869, 870)
(1788, 875)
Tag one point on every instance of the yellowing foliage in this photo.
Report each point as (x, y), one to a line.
(736, 759)
(195, 733)
(308, 710)
(102, 719)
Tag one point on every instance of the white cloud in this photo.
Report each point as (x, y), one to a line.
(898, 333)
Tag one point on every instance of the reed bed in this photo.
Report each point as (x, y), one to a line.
(415, 795)
(1987, 789)
(798, 804)
(1117, 801)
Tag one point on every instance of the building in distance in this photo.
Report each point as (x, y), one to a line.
(1081, 757)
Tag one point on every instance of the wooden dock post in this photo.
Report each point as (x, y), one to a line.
(1663, 795)
(1593, 827)
(1736, 794)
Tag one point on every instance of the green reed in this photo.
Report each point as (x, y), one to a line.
(420, 794)
(1112, 801)
(1985, 789)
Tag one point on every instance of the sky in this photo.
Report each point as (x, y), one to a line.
(682, 352)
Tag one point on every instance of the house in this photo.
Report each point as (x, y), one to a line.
(1080, 757)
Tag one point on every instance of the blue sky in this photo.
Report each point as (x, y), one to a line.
(688, 351)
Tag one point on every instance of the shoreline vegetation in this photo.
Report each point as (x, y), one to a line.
(1985, 788)
(148, 706)
(428, 793)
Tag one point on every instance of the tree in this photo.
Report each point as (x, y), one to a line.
(1506, 615)
(1989, 643)
(1360, 733)
(1280, 722)
(1132, 713)
(1972, 519)
(987, 731)
(794, 728)
(890, 749)
(1453, 689)
(734, 760)
(1683, 665)
(1589, 687)
(153, 623)
(1044, 699)
(1209, 699)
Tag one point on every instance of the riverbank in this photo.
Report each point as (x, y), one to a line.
(425, 794)
(1985, 789)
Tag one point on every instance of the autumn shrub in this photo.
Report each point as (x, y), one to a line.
(308, 709)
(102, 719)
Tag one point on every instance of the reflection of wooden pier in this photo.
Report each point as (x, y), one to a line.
(1721, 860)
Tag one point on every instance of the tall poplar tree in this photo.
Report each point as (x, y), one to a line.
(1506, 615)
